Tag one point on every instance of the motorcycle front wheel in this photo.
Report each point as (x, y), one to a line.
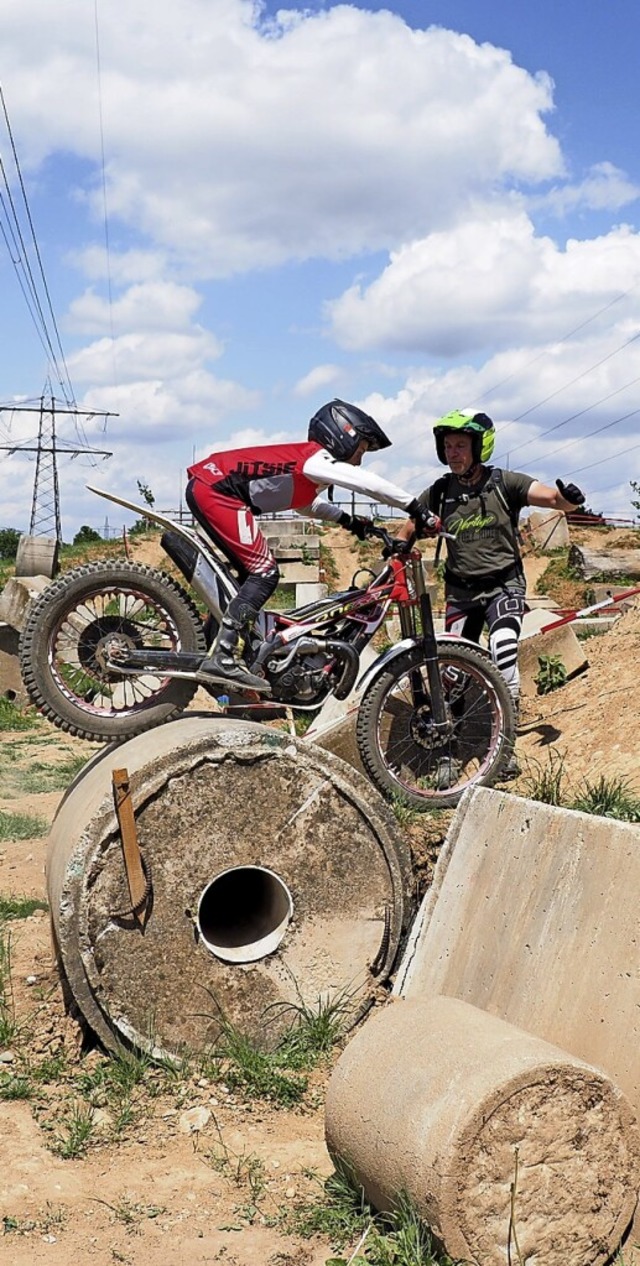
(65, 644)
(407, 756)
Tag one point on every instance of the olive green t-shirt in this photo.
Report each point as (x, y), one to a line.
(485, 540)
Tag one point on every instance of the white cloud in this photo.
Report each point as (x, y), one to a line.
(156, 305)
(232, 144)
(605, 188)
(321, 376)
(486, 282)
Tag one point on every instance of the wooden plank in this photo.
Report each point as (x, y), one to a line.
(128, 834)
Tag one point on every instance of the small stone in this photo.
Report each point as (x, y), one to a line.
(193, 1120)
(6, 1057)
(290, 1193)
(32, 980)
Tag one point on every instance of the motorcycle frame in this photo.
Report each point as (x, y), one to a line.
(402, 583)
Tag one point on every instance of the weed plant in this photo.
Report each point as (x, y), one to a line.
(551, 675)
(37, 777)
(257, 1072)
(8, 1027)
(344, 1216)
(77, 1127)
(19, 907)
(608, 797)
(545, 782)
(22, 826)
(14, 718)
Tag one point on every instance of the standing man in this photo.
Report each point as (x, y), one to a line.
(479, 506)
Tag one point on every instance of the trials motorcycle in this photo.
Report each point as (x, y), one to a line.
(111, 649)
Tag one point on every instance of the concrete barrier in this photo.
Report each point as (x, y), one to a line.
(278, 876)
(511, 1149)
(17, 595)
(532, 916)
(533, 644)
(549, 529)
(11, 685)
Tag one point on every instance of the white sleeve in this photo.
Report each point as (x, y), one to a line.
(321, 509)
(323, 470)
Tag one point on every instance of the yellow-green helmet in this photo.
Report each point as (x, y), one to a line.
(478, 425)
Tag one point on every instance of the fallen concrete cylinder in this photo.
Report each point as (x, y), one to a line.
(37, 556)
(508, 1147)
(277, 876)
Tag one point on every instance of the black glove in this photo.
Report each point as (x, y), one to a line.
(356, 524)
(427, 524)
(397, 546)
(571, 493)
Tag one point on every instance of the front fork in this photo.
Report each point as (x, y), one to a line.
(429, 644)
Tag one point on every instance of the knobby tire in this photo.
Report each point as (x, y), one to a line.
(61, 640)
(398, 747)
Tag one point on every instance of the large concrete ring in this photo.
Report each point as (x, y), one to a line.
(278, 876)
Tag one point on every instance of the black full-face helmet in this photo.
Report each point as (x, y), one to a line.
(340, 428)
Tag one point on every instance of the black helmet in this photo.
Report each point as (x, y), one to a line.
(340, 427)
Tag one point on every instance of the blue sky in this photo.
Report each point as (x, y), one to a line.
(417, 206)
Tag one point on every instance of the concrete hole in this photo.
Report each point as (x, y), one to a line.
(243, 914)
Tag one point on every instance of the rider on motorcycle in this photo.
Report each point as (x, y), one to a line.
(227, 490)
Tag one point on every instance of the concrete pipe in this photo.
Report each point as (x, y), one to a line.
(509, 1148)
(276, 873)
(37, 556)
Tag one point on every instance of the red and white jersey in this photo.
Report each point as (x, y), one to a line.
(285, 476)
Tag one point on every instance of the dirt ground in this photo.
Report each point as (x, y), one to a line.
(172, 1185)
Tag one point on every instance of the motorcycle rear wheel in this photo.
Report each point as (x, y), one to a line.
(402, 753)
(65, 643)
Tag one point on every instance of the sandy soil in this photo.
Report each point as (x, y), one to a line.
(159, 1192)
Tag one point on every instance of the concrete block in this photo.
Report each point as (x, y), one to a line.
(11, 686)
(602, 592)
(17, 595)
(562, 642)
(533, 917)
(310, 591)
(278, 874)
(295, 553)
(549, 529)
(297, 573)
(501, 1140)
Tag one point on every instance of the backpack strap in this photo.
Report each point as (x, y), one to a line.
(438, 497)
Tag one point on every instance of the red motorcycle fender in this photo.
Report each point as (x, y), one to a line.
(388, 656)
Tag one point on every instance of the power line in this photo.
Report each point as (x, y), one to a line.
(65, 382)
(545, 351)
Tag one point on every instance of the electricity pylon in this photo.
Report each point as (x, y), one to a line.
(45, 504)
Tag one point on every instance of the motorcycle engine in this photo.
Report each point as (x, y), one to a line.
(299, 681)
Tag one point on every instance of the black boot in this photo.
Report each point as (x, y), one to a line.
(224, 662)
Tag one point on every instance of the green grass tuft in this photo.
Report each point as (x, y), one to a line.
(14, 718)
(19, 907)
(608, 797)
(22, 826)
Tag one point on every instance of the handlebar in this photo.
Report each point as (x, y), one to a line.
(395, 545)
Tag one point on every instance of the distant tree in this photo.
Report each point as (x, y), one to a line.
(143, 525)
(636, 488)
(145, 492)
(9, 538)
(86, 536)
